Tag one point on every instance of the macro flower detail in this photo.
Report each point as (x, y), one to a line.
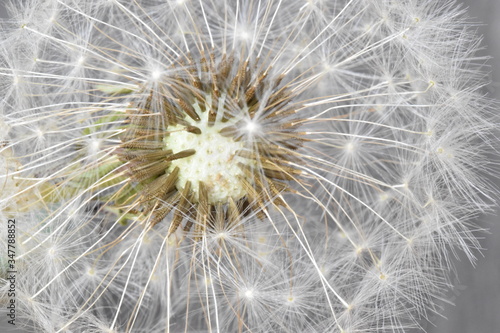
(203, 138)
(239, 166)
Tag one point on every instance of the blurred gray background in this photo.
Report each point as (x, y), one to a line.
(476, 296)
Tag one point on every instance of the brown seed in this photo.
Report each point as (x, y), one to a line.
(149, 171)
(182, 154)
(142, 145)
(152, 155)
(167, 206)
(193, 129)
(181, 208)
(188, 109)
(160, 185)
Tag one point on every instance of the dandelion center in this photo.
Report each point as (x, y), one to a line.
(210, 141)
(214, 163)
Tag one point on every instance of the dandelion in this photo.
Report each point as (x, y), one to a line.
(240, 166)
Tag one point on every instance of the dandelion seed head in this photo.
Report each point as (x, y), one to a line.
(40, 134)
(252, 127)
(91, 272)
(243, 33)
(248, 294)
(195, 142)
(214, 163)
(350, 147)
(80, 61)
(156, 74)
(264, 166)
